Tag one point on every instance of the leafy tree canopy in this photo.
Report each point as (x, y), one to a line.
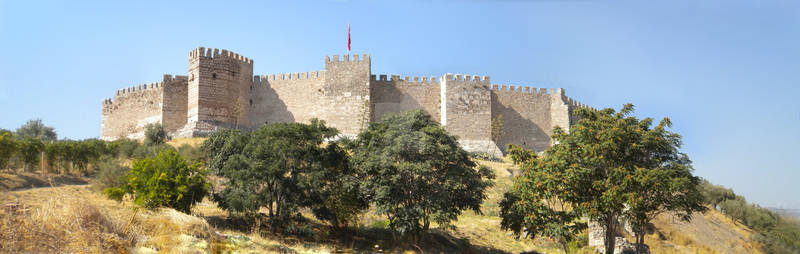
(36, 129)
(8, 147)
(416, 173)
(609, 164)
(282, 167)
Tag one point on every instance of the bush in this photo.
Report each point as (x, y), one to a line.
(165, 180)
(124, 147)
(191, 153)
(154, 134)
(110, 174)
(152, 150)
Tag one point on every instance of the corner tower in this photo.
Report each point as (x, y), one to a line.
(218, 91)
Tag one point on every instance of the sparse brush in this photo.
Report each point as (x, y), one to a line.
(110, 174)
(64, 224)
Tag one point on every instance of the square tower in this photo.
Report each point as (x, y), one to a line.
(218, 92)
(346, 93)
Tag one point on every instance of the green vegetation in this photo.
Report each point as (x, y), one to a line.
(166, 180)
(8, 146)
(36, 129)
(775, 233)
(29, 151)
(110, 174)
(154, 134)
(416, 174)
(284, 167)
(608, 160)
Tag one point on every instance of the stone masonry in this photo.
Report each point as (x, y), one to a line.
(220, 91)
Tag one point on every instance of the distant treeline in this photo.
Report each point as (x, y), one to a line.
(776, 233)
(35, 146)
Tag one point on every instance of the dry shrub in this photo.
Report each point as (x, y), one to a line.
(167, 229)
(63, 224)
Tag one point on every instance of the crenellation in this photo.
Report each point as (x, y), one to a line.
(220, 91)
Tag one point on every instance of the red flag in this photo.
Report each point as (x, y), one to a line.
(348, 37)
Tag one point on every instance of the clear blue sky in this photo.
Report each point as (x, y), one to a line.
(726, 72)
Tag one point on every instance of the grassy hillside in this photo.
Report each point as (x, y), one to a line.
(75, 218)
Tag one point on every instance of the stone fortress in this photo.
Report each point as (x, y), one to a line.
(220, 91)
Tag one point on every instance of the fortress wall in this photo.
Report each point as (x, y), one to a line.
(526, 114)
(175, 102)
(573, 105)
(292, 97)
(466, 106)
(131, 110)
(403, 94)
(345, 102)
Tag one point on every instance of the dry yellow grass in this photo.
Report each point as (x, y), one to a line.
(711, 232)
(74, 219)
(178, 142)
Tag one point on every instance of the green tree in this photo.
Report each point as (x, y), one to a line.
(610, 160)
(336, 196)
(154, 134)
(123, 148)
(8, 147)
(536, 204)
(714, 194)
(735, 208)
(283, 167)
(53, 153)
(417, 174)
(166, 180)
(30, 150)
(36, 129)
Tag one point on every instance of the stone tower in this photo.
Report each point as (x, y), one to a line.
(346, 90)
(218, 92)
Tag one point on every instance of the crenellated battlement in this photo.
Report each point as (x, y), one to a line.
(214, 53)
(171, 78)
(468, 78)
(502, 88)
(576, 104)
(139, 88)
(309, 75)
(406, 80)
(346, 58)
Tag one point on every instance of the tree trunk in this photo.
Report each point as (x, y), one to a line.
(609, 238)
(640, 239)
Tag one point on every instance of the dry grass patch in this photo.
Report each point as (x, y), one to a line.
(712, 232)
(74, 219)
(178, 142)
(62, 223)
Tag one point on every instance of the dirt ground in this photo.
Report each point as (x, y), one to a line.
(10, 181)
